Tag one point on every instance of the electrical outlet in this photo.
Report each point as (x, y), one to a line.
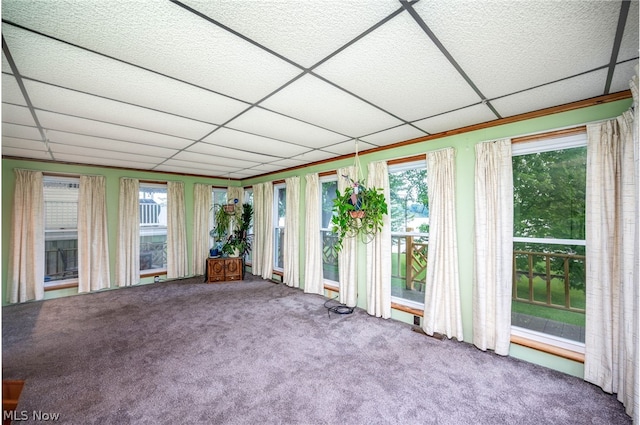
(416, 320)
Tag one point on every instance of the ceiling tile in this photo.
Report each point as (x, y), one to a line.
(509, 46)
(397, 68)
(20, 131)
(144, 157)
(393, 135)
(11, 91)
(314, 156)
(571, 90)
(250, 142)
(123, 162)
(348, 147)
(213, 160)
(70, 124)
(630, 36)
(270, 124)
(82, 105)
(303, 31)
(205, 55)
(17, 115)
(122, 147)
(456, 119)
(24, 152)
(12, 142)
(222, 153)
(622, 75)
(315, 101)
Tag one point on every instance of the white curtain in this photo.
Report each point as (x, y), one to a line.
(611, 330)
(26, 250)
(313, 278)
(493, 267)
(128, 252)
(177, 263)
(202, 224)
(291, 266)
(93, 237)
(442, 296)
(379, 250)
(348, 256)
(263, 228)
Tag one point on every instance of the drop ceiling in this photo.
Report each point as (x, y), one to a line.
(240, 88)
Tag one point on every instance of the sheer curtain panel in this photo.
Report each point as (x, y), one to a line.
(177, 265)
(128, 252)
(263, 228)
(202, 224)
(611, 331)
(93, 237)
(348, 256)
(379, 250)
(493, 268)
(313, 280)
(442, 296)
(26, 250)
(291, 273)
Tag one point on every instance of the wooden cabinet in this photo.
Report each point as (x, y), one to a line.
(224, 269)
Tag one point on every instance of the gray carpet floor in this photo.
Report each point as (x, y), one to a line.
(256, 352)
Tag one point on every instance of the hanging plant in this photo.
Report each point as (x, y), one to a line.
(358, 211)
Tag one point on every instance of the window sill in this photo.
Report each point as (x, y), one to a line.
(566, 349)
(65, 285)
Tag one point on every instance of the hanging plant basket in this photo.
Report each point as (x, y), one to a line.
(357, 214)
(229, 208)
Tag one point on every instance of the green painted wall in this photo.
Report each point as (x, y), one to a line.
(465, 160)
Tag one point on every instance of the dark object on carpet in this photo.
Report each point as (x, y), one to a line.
(253, 352)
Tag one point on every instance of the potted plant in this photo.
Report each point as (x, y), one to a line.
(238, 244)
(358, 211)
(221, 230)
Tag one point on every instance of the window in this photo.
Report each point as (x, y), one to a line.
(153, 226)
(280, 207)
(60, 229)
(248, 199)
(218, 198)
(549, 182)
(409, 231)
(328, 188)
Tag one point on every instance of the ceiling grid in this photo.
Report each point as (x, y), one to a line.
(243, 88)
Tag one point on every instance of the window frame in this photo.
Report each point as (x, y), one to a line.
(333, 177)
(276, 227)
(157, 270)
(547, 143)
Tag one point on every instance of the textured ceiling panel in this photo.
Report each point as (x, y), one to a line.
(144, 157)
(629, 43)
(248, 142)
(270, 124)
(205, 54)
(313, 100)
(304, 31)
(109, 131)
(11, 91)
(220, 154)
(525, 43)
(23, 152)
(456, 119)
(397, 68)
(239, 88)
(621, 76)
(17, 115)
(119, 146)
(77, 104)
(393, 135)
(20, 131)
(573, 89)
(348, 147)
(11, 142)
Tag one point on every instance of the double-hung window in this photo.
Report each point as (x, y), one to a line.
(548, 298)
(409, 208)
(153, 226)
(330, 271)
(279, 210)
(61, 229)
